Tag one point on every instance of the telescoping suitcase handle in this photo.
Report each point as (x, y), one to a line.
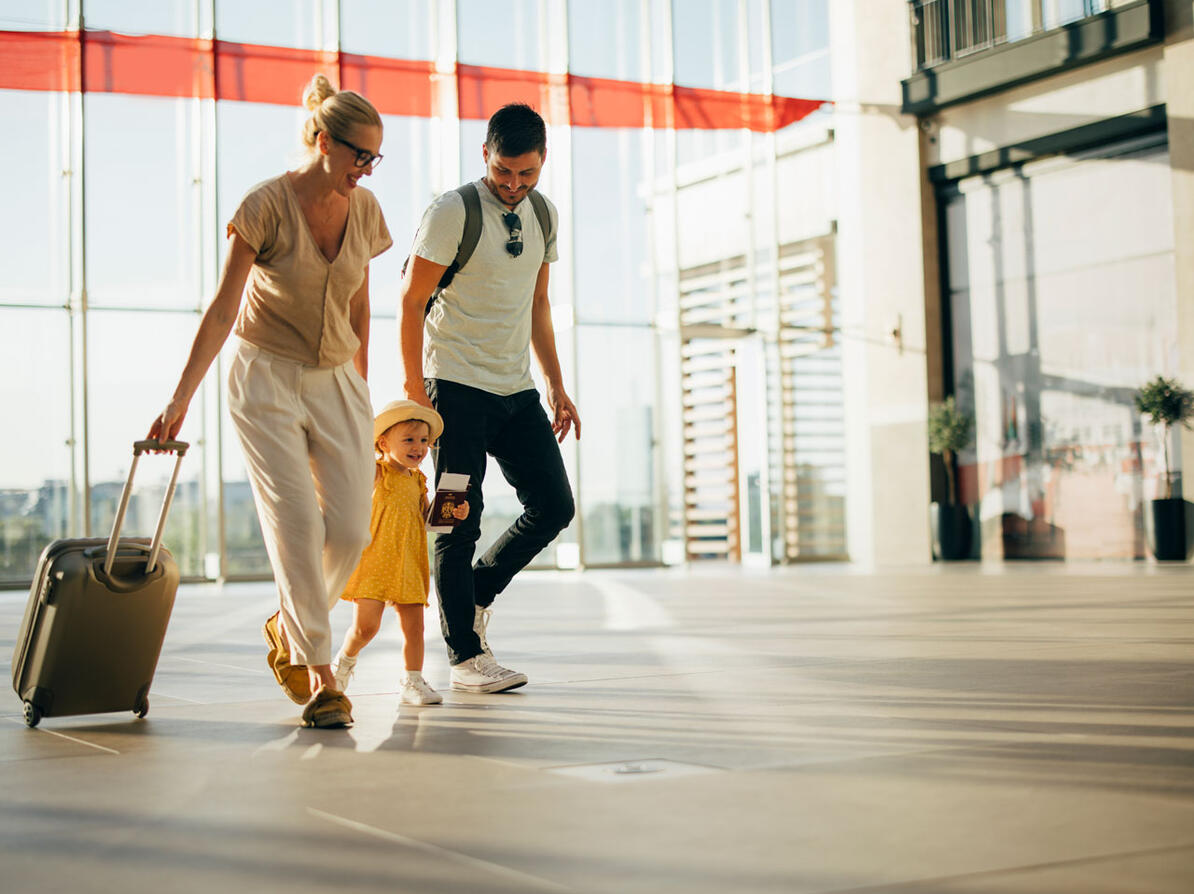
(139, 447)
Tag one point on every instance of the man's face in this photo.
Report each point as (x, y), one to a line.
(510, 178)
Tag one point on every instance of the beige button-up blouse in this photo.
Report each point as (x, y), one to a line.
(296, 300)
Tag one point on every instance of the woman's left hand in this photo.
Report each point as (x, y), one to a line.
(461, 510)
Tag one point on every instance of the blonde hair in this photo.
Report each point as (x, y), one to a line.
(334, 111)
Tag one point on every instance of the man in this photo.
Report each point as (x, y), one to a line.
(474, 369)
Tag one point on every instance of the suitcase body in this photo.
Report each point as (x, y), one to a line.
(96, 619)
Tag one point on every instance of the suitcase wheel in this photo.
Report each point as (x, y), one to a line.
(32, 715)
(141, 708)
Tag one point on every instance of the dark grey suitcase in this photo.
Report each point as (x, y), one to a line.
(96, 617)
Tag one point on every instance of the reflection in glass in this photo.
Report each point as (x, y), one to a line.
(266, 22)
(610, 226)
(1048, 353)
(142, 238)
(32, 15)
(617, 453)
(33, 229)
(173, 17)
(125, 388)
(404, 189)
(472, 138)
(604, 40)
(399, 29)
(800, 49)
(503, 37)
(35, 499)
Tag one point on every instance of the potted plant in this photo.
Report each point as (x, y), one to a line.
(1166, 403)
(949, 432)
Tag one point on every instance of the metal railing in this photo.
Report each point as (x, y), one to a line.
(951, 29)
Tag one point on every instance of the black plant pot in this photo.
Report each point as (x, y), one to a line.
(955, 531)
(1171, 530)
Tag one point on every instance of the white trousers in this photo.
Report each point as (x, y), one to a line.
(307, 438)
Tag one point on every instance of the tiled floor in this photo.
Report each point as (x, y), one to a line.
(815, 729)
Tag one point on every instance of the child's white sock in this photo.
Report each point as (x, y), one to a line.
(343, 660)
(412, 676)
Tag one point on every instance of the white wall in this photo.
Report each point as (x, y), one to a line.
(881, 278)
(1089, 93)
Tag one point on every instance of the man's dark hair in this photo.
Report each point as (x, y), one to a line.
(516, 129)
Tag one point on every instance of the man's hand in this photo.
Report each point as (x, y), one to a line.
(417, 392)
(564, 414)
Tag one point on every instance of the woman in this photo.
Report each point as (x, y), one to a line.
(300, 252)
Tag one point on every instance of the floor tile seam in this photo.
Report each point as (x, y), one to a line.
(869, 755)
(876, 749)
(437, 851)
(916, 885)
(166, 656)
(55, 733)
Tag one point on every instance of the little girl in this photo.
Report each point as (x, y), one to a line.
(394, 567)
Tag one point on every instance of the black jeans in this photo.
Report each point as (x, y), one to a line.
(516, 432)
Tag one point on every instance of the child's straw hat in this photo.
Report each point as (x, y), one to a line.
(404, 410)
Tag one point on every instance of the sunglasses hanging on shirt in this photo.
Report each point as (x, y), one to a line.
(514, 225)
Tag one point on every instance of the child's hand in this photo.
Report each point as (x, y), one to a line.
(461, 511)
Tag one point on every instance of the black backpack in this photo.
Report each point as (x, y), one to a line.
(472, 234)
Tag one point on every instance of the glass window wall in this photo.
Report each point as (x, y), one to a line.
(1048, 354)
(33, 232)
(142, 202)
(399, 29)
(298, 23)
(173, 17)
(506, 36)
(125, 386)
(33, 15)
(36, 496)
(145, 240)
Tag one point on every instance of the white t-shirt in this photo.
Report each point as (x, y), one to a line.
(479, 330)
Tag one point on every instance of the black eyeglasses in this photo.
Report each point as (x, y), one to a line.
(514, 225)
(364, 156)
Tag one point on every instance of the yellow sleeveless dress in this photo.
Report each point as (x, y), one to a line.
(393, 567)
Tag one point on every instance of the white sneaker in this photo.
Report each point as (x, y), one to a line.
(482, 674)
(480, 625)
(416, 691)
(342, 669)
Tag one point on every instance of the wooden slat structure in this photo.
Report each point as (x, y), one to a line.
(805, 420)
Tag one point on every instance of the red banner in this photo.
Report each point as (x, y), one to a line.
(158, 65)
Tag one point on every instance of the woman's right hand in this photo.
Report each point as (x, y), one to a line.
(166, 426)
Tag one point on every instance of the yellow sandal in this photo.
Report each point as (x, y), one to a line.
(329, 709)
(291, 677)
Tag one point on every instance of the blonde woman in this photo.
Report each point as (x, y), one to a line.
(295, 290)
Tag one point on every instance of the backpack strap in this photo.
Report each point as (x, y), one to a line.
(540, 205)
(468, 240)
(471, 234)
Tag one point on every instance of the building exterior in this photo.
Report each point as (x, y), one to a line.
(788, 226)
(1053, 209)
(144, 123)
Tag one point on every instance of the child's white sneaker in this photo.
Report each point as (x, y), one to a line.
(480, 625)
(416, 691)
(482, 674)
(342, 669)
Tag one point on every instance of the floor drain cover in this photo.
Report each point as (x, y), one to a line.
(632, 771)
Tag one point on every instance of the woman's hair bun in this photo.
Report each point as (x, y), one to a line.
(319, 89)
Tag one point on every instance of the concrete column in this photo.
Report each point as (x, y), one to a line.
(881, 279)
(1179, 75)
